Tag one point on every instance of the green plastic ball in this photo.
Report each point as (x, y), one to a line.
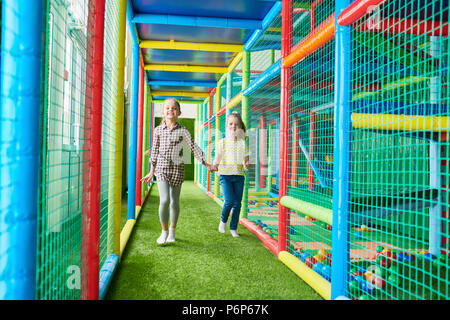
(353, 287)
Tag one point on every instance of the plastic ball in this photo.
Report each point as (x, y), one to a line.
(368, 276)
(379, 249)
(318, 268)
(329, 227)
(374, 270)
(394, 280)
(304, 256)
(310, 261)
(366, 287)
(385, 263)
(353, 287)
(362, 269)
(401, 256)
(363, 228)
(378, 283)
(429, 257)
(389, 254)
(326, 272)
(359, 279)
(291, 230)
(365, 297)
(357, 235)
(323, 252)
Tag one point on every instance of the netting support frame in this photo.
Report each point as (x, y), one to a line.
(286, 44)
(140, 133)
(90, 246)
(246, 120)
(341, 155)
(21, 47)
(134, 93)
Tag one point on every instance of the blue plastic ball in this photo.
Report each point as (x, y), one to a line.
(304, 256)
(318, 267)
(360, 279)
(365, 287)
(429, 257)
(326, 272)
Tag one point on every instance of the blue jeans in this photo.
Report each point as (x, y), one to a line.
(233, 187)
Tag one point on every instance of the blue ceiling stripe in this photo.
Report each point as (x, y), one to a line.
(197, 21)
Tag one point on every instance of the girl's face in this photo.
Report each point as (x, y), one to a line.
(232, 124)
(170, 111)
(233, 128)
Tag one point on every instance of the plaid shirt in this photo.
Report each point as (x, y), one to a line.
(167, 153)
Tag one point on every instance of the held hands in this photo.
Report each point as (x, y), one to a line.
(211, 167)
(246, 163)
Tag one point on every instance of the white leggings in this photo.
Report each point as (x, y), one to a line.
(168, 196)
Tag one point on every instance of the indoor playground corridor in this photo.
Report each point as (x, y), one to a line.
(203, 264)
(344, 166)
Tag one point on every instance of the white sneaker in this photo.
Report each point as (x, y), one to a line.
(222, 226)
(234, 233)
(162, 238)
(171, 237)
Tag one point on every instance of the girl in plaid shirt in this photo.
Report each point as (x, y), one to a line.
(168, 167)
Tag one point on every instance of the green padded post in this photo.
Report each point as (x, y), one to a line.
(246, 120)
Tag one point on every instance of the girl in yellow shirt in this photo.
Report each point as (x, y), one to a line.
(232, 158)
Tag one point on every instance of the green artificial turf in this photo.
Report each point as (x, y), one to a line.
(202, 264)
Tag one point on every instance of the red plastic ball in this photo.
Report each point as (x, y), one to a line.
(385, 263)
(310, 261)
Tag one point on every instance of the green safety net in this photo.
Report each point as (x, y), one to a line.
(61, 259)
(399, 203)
(310, 141)
(62, 179)
(108, 141)
(263, 132)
